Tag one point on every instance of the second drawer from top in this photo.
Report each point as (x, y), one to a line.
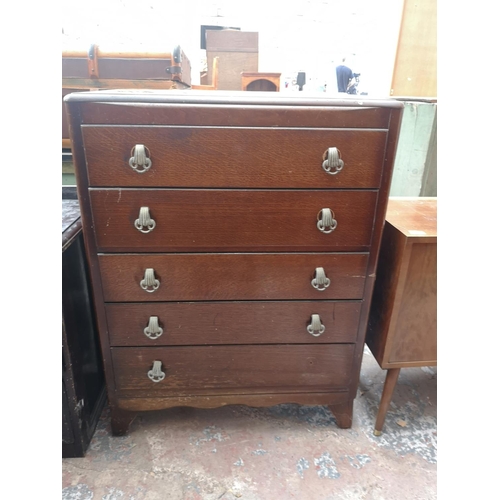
(181, 220)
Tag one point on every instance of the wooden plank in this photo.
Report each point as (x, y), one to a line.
(415, 69)
(89, 83)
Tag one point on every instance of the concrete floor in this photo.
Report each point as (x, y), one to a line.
(282, 452)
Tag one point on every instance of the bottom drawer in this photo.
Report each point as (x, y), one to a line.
(233, 369)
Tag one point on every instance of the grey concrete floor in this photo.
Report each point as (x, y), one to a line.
(283, 452)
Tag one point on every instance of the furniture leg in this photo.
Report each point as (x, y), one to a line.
(120, 421)
(343, 414)
(389, 385)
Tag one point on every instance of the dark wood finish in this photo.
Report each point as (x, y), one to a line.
(232, 276)
(121, 420)
(225, 109)
(232, 221)
(402, 329)
(215, 401)
(220, 280)
(258, 369)
(343, 413)
(83, 388)
(234, 157)
(212, 323)
(391, 380)
(121, 65)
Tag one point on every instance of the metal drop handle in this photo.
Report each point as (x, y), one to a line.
(149, 283)
(153, 330)
(326, 221)
(139, 160)
(155, 374)
(315, 326)
(333, 164)
(145, 224)
(320, 281)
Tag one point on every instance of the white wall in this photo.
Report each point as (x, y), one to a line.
(307, 35)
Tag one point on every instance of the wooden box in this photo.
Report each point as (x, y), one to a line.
(238, 51)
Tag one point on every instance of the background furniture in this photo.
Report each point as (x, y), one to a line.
(402, 328)
(260, 81)
(233, 243)
(415, 66)
(237, 51)
(214, 85)
(101, 68)
(83, 388)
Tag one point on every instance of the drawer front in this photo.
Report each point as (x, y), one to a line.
(231, 276)
(223, 220)
(231, 369)
(233, 157)
(207, 323)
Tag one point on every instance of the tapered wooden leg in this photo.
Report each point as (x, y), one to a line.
(343, 414)
(389, 385)
(120, 421)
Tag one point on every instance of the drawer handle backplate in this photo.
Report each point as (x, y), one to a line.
(320, 282)
(153, 330)
(139, 160)
(149, 283)
(326, 221)
(145, 224)
(316, 328)
(333, 163)
(155, 374)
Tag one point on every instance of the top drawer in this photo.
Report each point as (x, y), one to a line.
(233, 157)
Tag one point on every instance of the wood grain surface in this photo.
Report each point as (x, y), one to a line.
(232, 276)
(223, 369)
(205, 323)
(224, 220)
(234, 157)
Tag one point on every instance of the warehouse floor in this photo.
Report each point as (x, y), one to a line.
(282, 452)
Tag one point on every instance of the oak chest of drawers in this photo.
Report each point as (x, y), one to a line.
(233, 240)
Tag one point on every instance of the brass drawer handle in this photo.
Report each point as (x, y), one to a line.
(315, 326)
(153, 330)
(333, 163)
(149, 283)
(155, 374)
(320, 281)
(144, 221)
(326, 221)
(139, 160)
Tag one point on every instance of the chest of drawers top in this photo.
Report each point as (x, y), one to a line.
(230, 140)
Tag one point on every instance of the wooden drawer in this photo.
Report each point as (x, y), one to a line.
(232, 276)
(231, 369)
(207, 323)
(232, 157)
(223, 220)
